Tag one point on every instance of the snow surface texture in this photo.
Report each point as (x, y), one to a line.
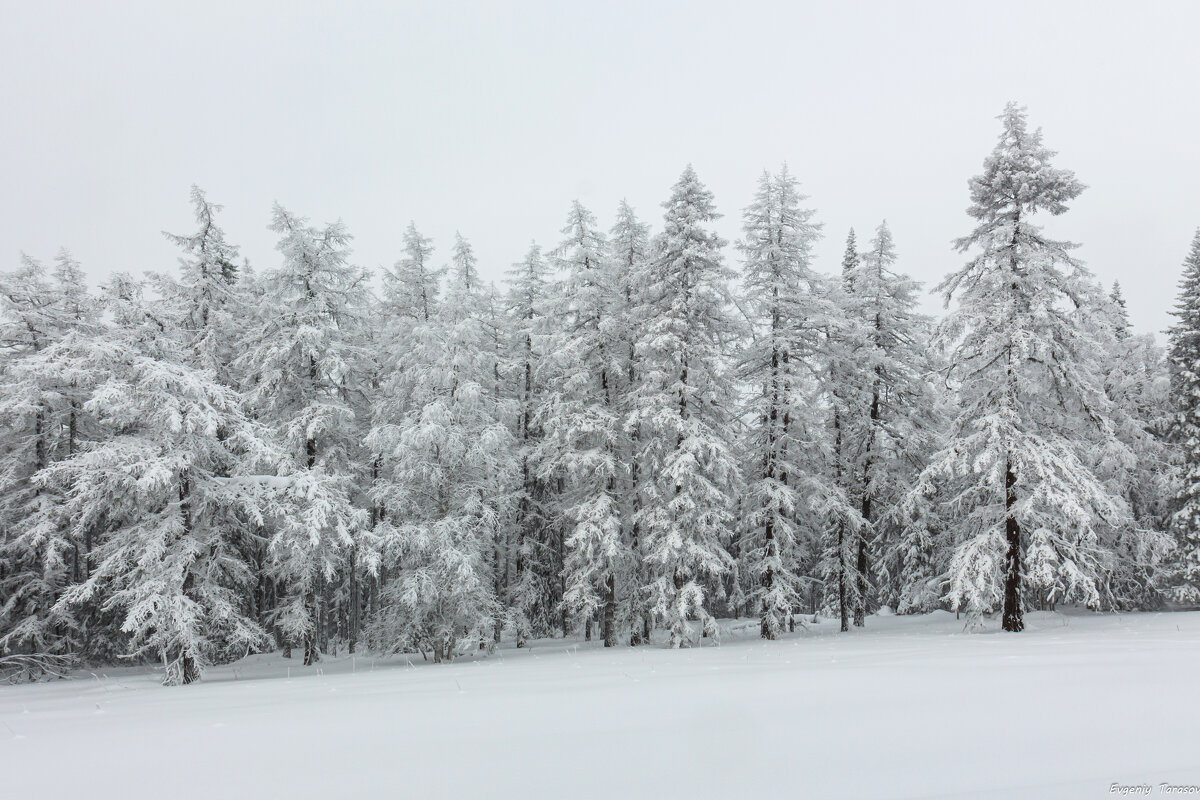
(911, 707)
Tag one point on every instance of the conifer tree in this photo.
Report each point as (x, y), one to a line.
(536, 590)
(301, 367)
(454, 459)
(203, 302)
(584, 426)
(158, 482)
(47, 370)
(893, 413)
(1183, 578)
(787, 311)
(629, 260)
(682, 403)
(1014, 475)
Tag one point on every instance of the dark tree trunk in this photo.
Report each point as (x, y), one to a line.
(610, 610)
(843, 610)
(843, 606)
(1014, 617)
(355, 602)
(312, 652)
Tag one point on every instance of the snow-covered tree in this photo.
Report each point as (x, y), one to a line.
(585, 430)
(302, 368)
(890, 421)
(536, 590)
(453, 460)
(787, 310)
(682, 404)
(1024, 506)
(47, 370)
(157, 481)
(629, 259)
(1183, 577)
(203, 301)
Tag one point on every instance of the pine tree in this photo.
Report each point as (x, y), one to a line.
(681, 405)
(893, 414)
(302, 366)
(454, 461)
(536, 591)
(1183, 578)
(1024, 505)
(787, 311)
(629, 260)
(584, 426)
(158, 481)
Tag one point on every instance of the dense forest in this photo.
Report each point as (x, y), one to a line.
(642, 430)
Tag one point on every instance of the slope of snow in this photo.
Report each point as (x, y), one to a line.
(911, 707)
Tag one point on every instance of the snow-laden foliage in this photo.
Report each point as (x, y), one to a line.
(1183, 578)
(302, 370)
(49, 325)
(888, 406)
(453, 469)
(583, 416)
(682, 406)
(627, 439)
(1024, 509)
(169, 559)
(787, 496)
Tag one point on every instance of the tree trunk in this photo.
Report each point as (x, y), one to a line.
(1014, 618)
(355, 601)
(610, 610)
(311, 651)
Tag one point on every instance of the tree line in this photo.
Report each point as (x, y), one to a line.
(638, 432)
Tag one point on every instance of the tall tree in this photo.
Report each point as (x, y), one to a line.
(301, 367)
(454, 459)
(1183, 577)
(893, 419)
(203, 301)
(585, 428)
(787, 310)
(536, 592)
(158, 482)
(47, 322)
(682, 404)
(629, 260)
(1015, 475)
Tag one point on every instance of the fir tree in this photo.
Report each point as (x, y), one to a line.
(584, 426)
(301, 368)
(1023, 502)
(681, 405)
(629, 260)
(1183, 577)
(785, 308)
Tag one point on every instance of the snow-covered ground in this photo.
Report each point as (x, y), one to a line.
(910, 707)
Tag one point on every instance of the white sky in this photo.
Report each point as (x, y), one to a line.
(491, 117)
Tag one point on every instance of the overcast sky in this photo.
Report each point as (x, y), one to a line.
(491, 117)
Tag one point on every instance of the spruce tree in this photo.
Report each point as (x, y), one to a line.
(787, 310)
(629, 260)
(303, 366)
(682, 404)
(1014, 471)
(1183, 578)
(584, 425)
